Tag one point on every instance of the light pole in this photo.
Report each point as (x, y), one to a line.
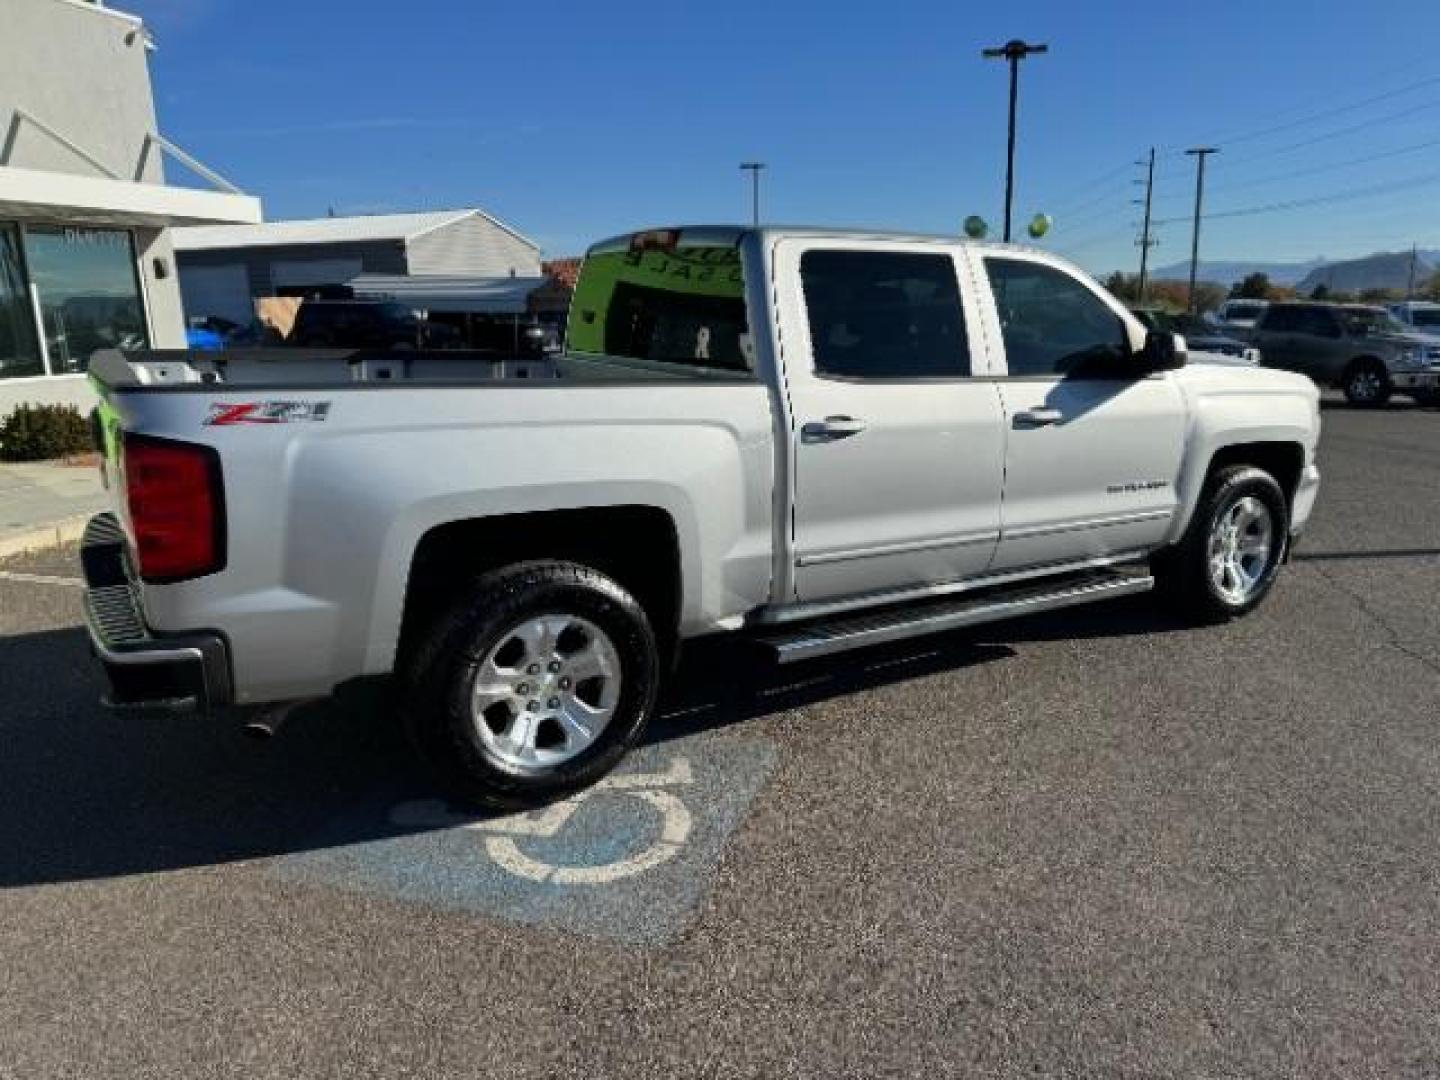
(1200, 153)
(1014, 51)
(753, 168)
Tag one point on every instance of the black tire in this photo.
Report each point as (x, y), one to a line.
(437, 677)
(1182, 573)
(1367, 384)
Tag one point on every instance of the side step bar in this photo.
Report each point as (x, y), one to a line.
(989, 605)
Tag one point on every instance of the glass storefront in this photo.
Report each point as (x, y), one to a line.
(19, 349)
(88, 286)
(89, 292)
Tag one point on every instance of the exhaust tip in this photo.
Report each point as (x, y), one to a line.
(266, 723)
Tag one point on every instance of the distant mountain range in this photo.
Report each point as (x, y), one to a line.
(1382, 270)
(1226, 273)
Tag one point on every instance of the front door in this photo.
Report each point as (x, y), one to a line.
(1093, 452)
(897, 449)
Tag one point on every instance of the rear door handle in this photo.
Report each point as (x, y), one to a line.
(831, 428)
(1038, 417)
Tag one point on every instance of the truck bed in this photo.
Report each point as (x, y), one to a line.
(320, 369)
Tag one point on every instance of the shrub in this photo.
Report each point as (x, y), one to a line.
(40, 432)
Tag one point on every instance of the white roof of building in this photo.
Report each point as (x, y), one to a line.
(327, 230)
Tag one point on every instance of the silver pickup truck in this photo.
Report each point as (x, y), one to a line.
(820, 439)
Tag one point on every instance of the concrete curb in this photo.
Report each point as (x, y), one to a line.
(44, 536)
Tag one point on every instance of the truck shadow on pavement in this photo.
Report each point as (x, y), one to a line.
(88, 794)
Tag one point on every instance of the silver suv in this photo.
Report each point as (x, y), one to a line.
(1365, 351)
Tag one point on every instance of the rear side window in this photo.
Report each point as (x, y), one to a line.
(1052, 323)
(671, 306)
(1317, 321)
(1281, 319)
(884, 315)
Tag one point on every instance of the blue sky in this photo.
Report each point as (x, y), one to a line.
(577, 120)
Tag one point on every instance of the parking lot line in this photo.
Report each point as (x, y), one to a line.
(41, 579)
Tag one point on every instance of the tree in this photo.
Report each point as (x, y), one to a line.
(1431, 290)
(1320, 292)
(1124, 287)
(1255, 286)
(1377, 295)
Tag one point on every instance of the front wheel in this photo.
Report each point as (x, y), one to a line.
(535, 684)
(1367, 384)
(1229, 557)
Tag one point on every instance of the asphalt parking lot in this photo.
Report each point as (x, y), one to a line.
(1093, 844)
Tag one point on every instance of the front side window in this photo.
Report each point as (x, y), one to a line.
(19, 349)
(884, 315)
(89, 292)
(1362, 322)
(1052, 324)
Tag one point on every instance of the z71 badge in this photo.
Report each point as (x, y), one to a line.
(267, 412)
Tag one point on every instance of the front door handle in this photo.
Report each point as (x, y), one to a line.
(831, 428)
(1038, 417)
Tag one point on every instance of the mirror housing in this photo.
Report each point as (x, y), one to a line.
(1163, 351)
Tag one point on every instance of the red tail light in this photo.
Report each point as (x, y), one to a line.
(176, 502)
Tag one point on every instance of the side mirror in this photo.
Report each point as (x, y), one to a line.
(1163, 352)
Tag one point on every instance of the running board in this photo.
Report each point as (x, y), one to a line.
(989, 605)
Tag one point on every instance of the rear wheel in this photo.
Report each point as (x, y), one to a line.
(534, 685)
(1367, 384)
(1228, 559)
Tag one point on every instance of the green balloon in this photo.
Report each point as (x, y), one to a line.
(1040, 225)
(975, 227)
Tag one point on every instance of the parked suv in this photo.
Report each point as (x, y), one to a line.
(361, 324)
(1365, 351)
(1199, 335)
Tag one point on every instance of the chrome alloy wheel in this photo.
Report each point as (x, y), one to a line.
(1241, 549)
(545, 691)
(1365, 385)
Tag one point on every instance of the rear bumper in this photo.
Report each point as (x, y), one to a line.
(183, 671)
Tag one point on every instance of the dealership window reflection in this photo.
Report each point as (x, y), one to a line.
(89, 292)
(19, 351)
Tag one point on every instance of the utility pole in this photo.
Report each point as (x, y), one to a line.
(1410, 285)
(1200, 153)
(753, 168)
(1013, 51)
(1146, 243)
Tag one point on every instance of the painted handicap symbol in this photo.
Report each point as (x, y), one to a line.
(503, 836)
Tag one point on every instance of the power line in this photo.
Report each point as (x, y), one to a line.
(1324, 114)
(1311, 169)
(1069, 206)
(1364, 125)
(1319, 200)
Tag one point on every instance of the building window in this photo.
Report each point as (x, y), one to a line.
(89, 292)
(19, 351)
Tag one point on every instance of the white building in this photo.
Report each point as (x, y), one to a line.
(85, 254)
(225, 268)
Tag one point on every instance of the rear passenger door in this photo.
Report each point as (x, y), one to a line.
(896, 444)
(1093, 443)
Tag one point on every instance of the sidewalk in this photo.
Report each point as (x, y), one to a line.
(43, 504)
